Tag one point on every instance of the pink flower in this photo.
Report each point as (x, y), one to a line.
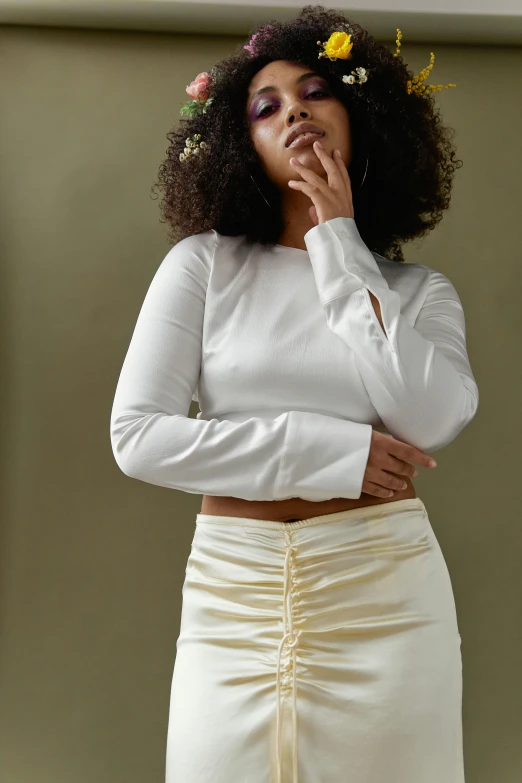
(199, 89)
(250, 47)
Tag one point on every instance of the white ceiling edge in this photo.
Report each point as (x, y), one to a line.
(453, 21)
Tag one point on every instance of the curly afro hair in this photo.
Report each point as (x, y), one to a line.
(411, 157)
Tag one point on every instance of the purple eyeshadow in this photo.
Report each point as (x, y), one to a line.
(256, 108)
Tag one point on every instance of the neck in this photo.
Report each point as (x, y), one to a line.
(297, 222)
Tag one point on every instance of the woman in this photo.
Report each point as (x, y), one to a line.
(319, 639)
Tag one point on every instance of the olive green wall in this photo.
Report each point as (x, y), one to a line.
(92, 562)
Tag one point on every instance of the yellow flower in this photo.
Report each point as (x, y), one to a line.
(339, 45)
(416, 85)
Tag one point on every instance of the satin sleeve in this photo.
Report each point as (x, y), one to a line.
(298, 454)
(418, 378)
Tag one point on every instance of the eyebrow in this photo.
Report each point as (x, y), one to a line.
(297, 81)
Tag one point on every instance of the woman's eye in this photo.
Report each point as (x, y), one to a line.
(270, 105)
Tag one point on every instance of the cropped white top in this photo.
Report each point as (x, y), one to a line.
(285, 355)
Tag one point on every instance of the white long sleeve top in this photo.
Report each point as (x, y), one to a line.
(283, 351)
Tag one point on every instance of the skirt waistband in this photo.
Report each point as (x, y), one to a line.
(364, 512)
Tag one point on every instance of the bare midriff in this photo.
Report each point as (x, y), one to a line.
(296, 508)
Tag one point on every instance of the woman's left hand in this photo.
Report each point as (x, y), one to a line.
(330, 199)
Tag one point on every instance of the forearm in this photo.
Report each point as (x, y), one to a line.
(413, 362)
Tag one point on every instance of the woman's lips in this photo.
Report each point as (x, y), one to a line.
(305, 138)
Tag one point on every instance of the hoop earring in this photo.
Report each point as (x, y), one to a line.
(360, 186)
(366, 169)
(257, 186)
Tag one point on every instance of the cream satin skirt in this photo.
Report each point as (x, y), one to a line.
(325, 650)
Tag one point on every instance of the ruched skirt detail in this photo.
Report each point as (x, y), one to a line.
(325, 650)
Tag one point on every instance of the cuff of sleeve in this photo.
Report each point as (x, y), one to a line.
(323, 458)
(341, 262)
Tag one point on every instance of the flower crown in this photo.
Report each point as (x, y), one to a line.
(338, 47)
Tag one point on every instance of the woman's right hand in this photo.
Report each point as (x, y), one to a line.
(389, 459)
